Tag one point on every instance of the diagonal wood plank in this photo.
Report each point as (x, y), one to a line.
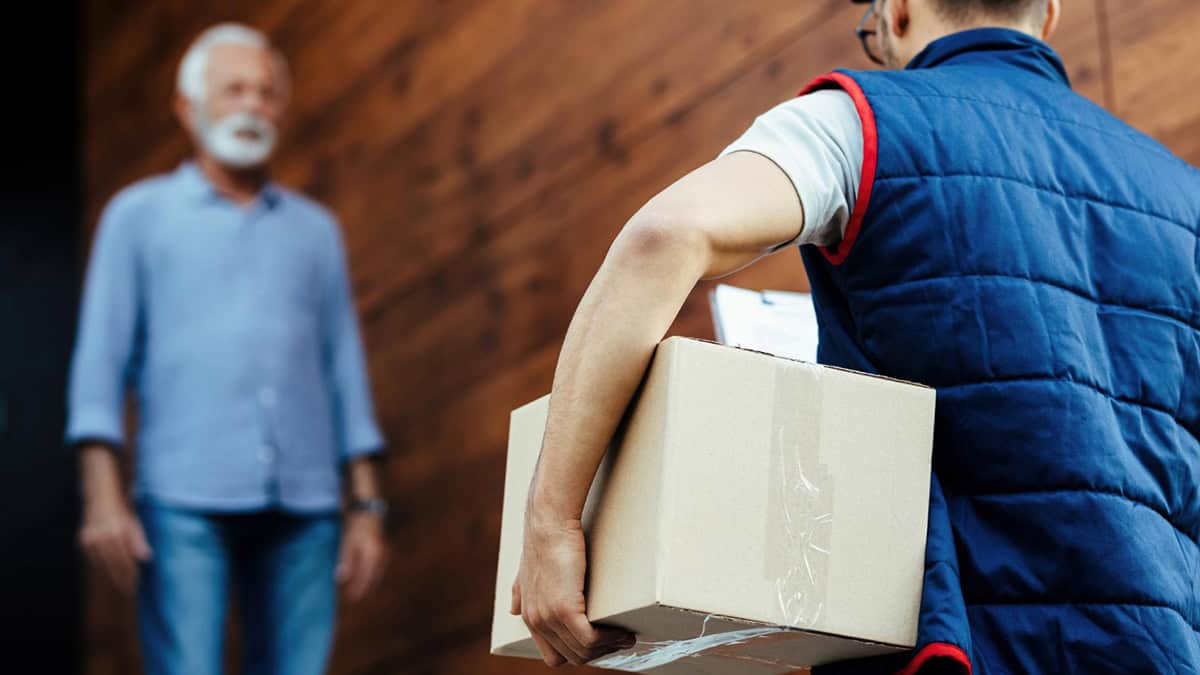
(1155, 77)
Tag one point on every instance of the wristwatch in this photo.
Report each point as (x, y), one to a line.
(376, 506)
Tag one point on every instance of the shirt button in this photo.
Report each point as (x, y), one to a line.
(267, 396)
(266, 454)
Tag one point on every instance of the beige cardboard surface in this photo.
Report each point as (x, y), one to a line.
(847, 456)
(778, 492)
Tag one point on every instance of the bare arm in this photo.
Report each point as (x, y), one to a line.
(363, 475)
(717, 219)
(100, 474)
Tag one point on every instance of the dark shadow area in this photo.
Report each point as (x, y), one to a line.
(40, 232)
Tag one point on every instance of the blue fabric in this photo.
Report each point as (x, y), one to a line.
(281, 567)
(1037, 261)
(235, 327)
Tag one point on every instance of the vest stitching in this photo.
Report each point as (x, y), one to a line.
(1132, 136)
(1095, 491)
(1085, 197)
(1078, 383)
(1183, 319)
(1068, 603)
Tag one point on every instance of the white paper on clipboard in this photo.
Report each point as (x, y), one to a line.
(778, 322)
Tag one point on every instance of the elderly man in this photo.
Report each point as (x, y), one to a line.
(966, 221)
(221, 300)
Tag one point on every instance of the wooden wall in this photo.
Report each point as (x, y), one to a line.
(482, 154)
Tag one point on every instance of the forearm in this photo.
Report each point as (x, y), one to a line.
(99, 475)
(363, 478)
(625, 312)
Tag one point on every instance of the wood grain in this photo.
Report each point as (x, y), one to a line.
(1156, 81)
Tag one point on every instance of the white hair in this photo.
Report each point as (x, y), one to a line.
(192, 69)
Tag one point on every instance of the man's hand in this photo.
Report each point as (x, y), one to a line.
(363, 555)
(548, 594)
(114, 541)
(110, 535)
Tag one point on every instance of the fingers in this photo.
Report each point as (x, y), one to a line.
(98, 554)
(140, 547)
(359, 583)
(108, 547)
(579, 653)
(347, 568)
(554, 653)
(572, 638)
(596, 641)
(550, 655)
(361, 568)
(361, 580)
(376, 564)
(548, 594)
(134, 551)
(588, 642)
(126, 568)
(561, 639)
(119, 564)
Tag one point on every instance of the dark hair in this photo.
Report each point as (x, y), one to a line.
(963, 11)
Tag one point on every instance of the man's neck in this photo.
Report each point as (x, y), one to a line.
(937, 32)
(238, 185)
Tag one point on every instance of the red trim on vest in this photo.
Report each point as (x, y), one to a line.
(837, 254)
(936, 650)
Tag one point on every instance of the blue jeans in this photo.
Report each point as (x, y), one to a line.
(281, 567)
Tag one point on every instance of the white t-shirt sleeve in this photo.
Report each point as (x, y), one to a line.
(817, 140)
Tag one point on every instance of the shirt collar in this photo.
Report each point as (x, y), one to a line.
(994, 45)
(196, 185)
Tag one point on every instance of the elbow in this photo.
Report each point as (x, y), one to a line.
(660, 238)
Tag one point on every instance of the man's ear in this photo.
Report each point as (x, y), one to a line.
(1053, 13)
(184, 112)
(899, 16)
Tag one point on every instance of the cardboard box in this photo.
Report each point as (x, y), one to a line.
(754, 515)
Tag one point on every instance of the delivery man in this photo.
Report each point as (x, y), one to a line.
(968, 222)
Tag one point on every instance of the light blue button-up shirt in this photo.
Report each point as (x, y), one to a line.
(235, 328)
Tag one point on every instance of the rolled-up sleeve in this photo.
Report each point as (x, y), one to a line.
(359, 433)
(108, 328)
(817, 140)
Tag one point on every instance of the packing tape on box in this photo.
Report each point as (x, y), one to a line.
(800, 506)
(800, 514)
(649, 655)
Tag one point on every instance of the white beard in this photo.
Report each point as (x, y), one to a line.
(221, 139)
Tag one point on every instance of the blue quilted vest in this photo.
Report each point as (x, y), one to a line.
(1037, 261)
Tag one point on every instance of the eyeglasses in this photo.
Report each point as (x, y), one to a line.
(871, 18)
